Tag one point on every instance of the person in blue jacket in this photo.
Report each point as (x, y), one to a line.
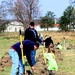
(29, 49)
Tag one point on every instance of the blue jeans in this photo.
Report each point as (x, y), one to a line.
(17, 65)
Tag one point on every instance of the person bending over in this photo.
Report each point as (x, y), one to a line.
(29, 50)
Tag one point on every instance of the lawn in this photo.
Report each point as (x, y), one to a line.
(66, 61)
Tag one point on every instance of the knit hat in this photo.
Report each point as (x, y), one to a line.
(31, 23)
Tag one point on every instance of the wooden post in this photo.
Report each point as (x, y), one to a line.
(64, 43)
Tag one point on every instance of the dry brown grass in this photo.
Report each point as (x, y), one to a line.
(58, 36)
(68, 56)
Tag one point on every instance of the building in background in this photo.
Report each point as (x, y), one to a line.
(54, 28)
(14, 26)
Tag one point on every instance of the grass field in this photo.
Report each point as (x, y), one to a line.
(66, 66)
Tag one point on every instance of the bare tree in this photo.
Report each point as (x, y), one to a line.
(24, 10)
(72, 2)
(3, 16)
(2, 11)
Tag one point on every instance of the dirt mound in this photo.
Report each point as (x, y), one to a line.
(5, 61)
(40, 67)
(70, 47)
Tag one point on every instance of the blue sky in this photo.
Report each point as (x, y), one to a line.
(56, 6)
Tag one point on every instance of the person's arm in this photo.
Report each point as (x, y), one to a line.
(33, 68)
(31, 58)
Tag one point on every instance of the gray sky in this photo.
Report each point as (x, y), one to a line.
(56, 6)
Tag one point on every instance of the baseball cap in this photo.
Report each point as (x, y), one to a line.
(31, 23)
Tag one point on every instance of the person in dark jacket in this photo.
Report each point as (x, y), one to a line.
(29, 49)
(48, 41)
(31, 34)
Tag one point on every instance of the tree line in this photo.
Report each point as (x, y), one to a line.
(26, 11)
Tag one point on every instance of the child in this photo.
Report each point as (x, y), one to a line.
(52, 65)
(48, 41)
(59, 46)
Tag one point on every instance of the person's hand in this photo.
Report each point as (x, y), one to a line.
(21, 46)
(42, 43)
(33, 69)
